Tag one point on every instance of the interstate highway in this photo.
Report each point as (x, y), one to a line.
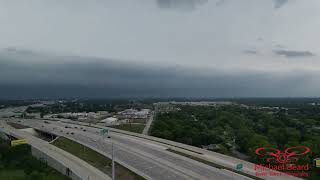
(147, 158)
(78, 167)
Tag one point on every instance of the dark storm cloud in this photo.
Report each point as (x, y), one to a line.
(74, 70)
(293, 54)
(279, 3)
(72, 76)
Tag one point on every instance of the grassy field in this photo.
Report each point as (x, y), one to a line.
(12, 174)
(137, 128)
(21, 175)
(95, 159)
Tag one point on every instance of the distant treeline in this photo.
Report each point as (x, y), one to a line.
(229, 128)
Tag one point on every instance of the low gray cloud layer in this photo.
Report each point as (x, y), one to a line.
(293, 54)
(161, 47)
(95, 77)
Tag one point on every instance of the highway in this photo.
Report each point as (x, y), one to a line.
(148, 158)
(76, 165)
(148, 125)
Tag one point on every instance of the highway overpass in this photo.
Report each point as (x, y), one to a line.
(149, 156)
(64, 162)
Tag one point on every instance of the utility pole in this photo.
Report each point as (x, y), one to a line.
(113, 168)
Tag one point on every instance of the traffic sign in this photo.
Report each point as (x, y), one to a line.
(18, 142)
(239, 167)
(104, 131)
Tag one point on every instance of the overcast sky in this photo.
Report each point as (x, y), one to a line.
(226, 47)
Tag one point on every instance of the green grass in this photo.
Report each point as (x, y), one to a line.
(136, 128)
(95, 159)
(12, 174)
(20, 175)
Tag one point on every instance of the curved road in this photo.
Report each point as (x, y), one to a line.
(147, 158)
(76, 165)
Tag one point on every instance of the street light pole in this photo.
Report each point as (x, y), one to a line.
(113, 168)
